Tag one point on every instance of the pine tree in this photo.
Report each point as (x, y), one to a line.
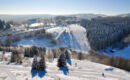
(13, 57)
(80, 56)
(35, 63)
(2, 23)
(62, 61)
(67, 54)
(42, 64)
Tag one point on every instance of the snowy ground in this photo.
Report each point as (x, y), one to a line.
(21, 29)
(38, 42)
(125, 52)
(84, 70)
(73, 37)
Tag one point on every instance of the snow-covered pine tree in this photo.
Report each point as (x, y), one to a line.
(42, 64)
(62, 60)
(35, 63)
(67, 54)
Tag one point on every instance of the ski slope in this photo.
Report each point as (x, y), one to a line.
(80, 70)
(72, 36)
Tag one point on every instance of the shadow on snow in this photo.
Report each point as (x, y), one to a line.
(109, 69)
(69, 61)
(64, 69)
(39, 73)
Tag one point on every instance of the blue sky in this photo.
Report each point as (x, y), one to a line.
(109, 7)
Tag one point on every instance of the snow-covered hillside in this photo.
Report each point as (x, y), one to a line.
(80, 70)
(73, 36)
(125, 52)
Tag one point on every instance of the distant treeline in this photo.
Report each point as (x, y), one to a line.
(11, 38)
(4, 25)
(106, 31)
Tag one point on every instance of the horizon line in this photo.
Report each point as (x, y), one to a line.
(59, 14)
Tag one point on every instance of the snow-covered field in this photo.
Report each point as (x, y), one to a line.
(38, 42)
(125, 52)
(73, 36)
(79, 70)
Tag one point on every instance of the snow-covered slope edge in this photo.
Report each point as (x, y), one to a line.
(125, 52)
(80, 70)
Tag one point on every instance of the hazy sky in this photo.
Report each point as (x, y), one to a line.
(109, 7)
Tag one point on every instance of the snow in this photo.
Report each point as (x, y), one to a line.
(36, 24)
(55, 29)
(85, 70)
(72, 36)
(38, 42)
(125, 52)
(79, 34)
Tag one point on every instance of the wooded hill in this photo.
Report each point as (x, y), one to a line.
(106, 31)
(4, 25)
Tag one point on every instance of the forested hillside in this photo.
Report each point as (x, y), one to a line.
(4, 25)
(106, 31)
